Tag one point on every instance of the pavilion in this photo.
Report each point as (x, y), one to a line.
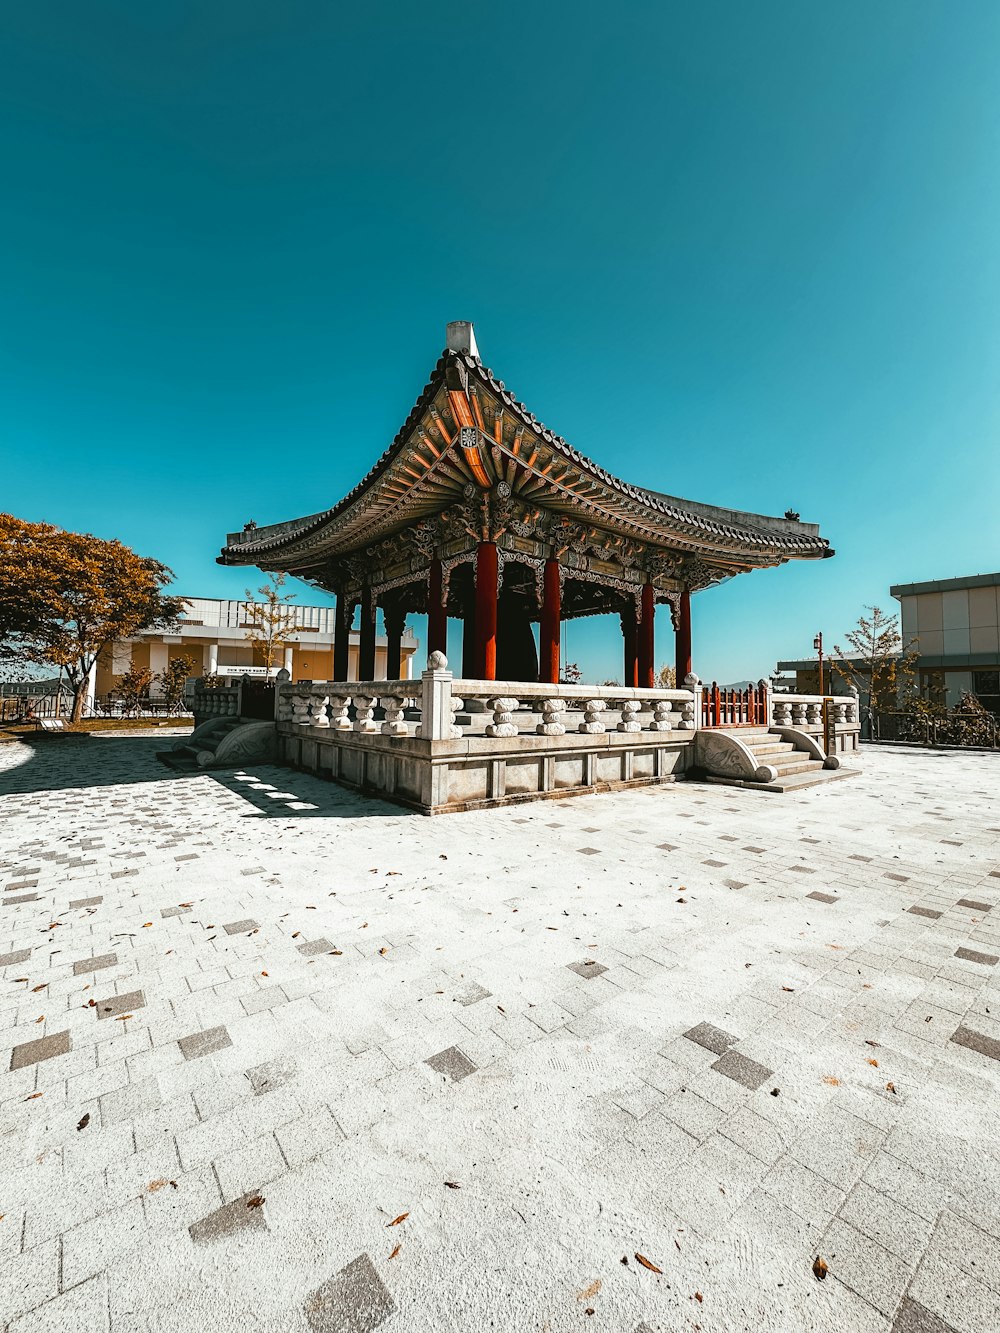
(479, 511)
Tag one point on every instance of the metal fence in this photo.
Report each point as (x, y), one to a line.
(980, 729)
(23, 708)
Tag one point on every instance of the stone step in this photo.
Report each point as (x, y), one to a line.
(798, 765)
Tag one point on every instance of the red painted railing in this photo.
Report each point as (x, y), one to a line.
(733, 708)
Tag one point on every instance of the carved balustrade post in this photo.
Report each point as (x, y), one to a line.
(393, 724)
(300, 710)
(551, 723)
(364, 706)
(691, 709)
(662, 710)
(503, 717)
(782, 712)
(436, 702)
(320, 717)
(629, 720)
(592, 724)
(814, 713)
(339, 719)
(798, 714)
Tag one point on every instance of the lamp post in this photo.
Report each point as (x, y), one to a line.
(818, 645)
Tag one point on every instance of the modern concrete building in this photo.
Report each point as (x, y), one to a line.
(214, 634)
(956, 626)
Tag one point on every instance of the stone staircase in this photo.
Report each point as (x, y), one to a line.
(796, 768)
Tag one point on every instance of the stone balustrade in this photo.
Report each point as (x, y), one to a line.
(806, 710)
(214, 703)
(327, 705)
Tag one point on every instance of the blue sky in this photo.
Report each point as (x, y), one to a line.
(742, 253)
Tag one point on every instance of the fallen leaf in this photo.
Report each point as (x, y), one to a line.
(682, 900)
(396, 1220)
(452, 1185)
(873, 1063)
(32, 1095)
(145, 924)
(84, 1122)
(591, 1291)
(155, 1185)
(820, 1268)
(123, 1018)
(789, 989)
(641, 1258)
(395, 1251)
(831, 1080)
(263, 974)
(40, 1018)
(699, 1297)
(869, 1042)
(36, 989)
(890, 1087)
(774, 1092)
(383, 950)
(296, 934)
(256, 1202)
(91, 1004)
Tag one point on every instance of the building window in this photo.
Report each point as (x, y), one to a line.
(986, 688)
(932, 687)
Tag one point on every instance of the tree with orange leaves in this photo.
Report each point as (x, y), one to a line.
(64, 596)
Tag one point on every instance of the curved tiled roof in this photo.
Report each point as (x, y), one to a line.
(785, 537)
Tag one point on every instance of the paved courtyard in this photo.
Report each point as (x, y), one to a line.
(281, 1058)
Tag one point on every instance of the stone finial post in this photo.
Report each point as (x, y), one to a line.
(691, 712)
(765, 688)
(436, 710)
(282, 678)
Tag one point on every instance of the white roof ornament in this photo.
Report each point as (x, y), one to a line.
(461, 337)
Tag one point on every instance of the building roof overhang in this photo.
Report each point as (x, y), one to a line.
(468, 433)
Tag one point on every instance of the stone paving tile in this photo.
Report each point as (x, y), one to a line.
(42, 1048)
(741, 1069)
(310, 948)
(824, 897)
(973, 956)
(197, 1044)
(240, 927)
(240, 1215)
(17, 956)
(973, 905)
(912, 1317)
(355, 1300)
(452, 1062)
(95, 964)
(712, 1038)
(114, 1005)
(977, 1041)
(588, 968)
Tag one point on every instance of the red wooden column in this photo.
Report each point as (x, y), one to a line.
(646, 644)
(631, 677)
(487, 570)
(548, 658)
(437, 614)
(682, 643)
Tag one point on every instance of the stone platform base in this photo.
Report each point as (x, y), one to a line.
(475, 773)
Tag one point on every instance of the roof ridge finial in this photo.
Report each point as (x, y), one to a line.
(461, 337)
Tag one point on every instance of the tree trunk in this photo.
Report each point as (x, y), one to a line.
(79, 699)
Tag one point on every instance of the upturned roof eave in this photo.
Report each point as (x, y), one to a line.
(787, 538)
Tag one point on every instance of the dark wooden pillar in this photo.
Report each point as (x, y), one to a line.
(548, 664)
(629, 635)
(437, 614)
(682, 643)
(395, 623)
(487, 569)
(366, 660)
(342, 636)
(647, 647)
